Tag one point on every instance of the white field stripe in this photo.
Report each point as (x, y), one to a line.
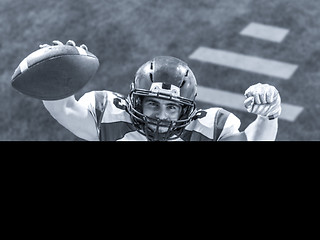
(265, 32)
(244, 62)
(234, 100)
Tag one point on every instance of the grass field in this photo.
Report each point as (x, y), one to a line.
(126, 33)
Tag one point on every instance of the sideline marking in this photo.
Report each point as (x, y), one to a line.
(234, 100)
(265, 32)
(244, 62)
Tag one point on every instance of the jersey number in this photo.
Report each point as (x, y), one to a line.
(200, 114)
(118, 102)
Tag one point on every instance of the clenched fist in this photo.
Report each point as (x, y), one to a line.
(263, 100)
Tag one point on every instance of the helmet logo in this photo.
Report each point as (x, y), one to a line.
(165, 88)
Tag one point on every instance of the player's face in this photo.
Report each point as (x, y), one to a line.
(162, 109)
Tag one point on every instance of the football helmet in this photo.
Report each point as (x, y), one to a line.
(168, 78)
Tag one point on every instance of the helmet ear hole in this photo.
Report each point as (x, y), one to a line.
(138, 103)
(185, 112)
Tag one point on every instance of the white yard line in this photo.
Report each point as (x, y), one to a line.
(244, 62)
(265, 32)
(235, 101)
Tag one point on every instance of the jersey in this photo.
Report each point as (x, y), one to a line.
(113, 121)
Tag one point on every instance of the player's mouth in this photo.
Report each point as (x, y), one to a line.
(155, 128)
(160, 126)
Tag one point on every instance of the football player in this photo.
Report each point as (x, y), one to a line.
(161, 106)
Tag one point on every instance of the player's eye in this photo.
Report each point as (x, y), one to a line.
(152, 104)
(173, 107)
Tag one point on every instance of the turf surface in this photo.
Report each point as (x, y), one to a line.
(126, 33)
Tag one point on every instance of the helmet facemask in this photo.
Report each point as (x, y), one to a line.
(144, 123)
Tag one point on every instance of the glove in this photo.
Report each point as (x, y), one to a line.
(263, 100)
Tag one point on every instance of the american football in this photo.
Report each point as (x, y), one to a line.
(54, 72)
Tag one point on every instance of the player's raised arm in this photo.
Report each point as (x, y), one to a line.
(74, 117)
(264, 101)
(69, 113)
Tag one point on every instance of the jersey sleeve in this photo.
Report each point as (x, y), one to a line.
(96, 103)
(226, 124)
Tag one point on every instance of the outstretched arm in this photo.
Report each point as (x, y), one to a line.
(74, 117)
(70, 113)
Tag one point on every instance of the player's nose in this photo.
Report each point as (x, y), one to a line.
(162, 114)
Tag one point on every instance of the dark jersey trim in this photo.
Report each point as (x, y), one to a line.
(115, 130)
(100, 106)
(220, 120)
(193, 136)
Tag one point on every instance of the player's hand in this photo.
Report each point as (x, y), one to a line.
(263, 100)
(69, 42)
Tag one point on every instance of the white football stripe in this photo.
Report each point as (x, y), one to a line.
(23, 65)
(81, 51)
(244, 62)
(234, 100)
(265, 32)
